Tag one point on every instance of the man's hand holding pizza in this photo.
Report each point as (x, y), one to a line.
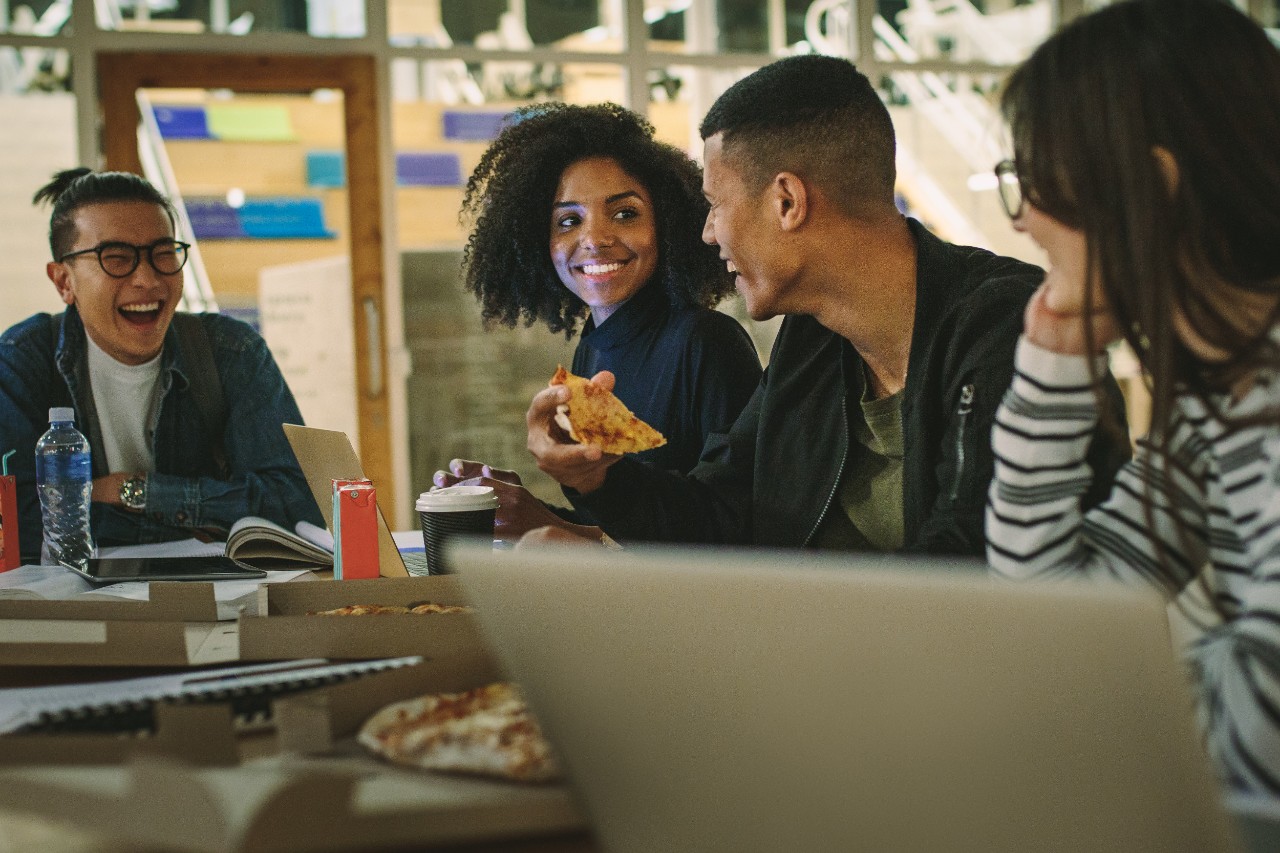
(578, 466)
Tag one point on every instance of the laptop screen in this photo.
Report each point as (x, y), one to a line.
(722, 700)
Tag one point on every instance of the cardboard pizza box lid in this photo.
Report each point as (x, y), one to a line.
(170, 601)
(74, 642)
(451, 642)
(288, 804)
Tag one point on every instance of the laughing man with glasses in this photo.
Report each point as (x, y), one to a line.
(182, 411)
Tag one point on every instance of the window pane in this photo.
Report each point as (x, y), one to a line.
(319, 18)
(950, 137)
(29, 70)
(34, 17)
(578, 25)
(728, 26)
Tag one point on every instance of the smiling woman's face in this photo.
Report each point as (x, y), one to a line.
(604, 238)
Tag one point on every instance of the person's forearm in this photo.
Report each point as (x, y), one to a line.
(207, 503)
(1035, 524)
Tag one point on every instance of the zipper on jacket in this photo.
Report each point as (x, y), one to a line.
(844, 456)
(962, 413)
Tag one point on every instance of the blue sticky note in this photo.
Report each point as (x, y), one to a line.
(468, 126)
(326, 169)
(284, 218)
(182, 122)
(428, 169)
(213, 219)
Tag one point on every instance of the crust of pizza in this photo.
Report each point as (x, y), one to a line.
(595, 416)
(424, 608)
(487, 731)
(362, 610)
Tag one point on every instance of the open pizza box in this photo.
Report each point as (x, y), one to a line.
(84, 642)
(175, 626)
(288, 632)
(314, 722)
(307, 786)
(286, 803)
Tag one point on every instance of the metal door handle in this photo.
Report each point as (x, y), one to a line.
(373, 338)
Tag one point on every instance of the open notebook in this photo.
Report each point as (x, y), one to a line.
(129, 705)
(719, 700)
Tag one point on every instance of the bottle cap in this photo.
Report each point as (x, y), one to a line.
(61, 413)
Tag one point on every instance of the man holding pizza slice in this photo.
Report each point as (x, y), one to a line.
(870, 430)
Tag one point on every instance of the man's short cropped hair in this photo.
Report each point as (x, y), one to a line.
(816, 116)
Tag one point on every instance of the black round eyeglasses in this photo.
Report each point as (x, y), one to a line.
(1010, 186)
(119, 260)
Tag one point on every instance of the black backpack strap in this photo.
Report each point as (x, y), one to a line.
(62, 393)
(205, 385)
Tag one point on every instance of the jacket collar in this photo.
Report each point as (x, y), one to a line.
(72, 354)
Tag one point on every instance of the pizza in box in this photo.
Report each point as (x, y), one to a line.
(488, 731)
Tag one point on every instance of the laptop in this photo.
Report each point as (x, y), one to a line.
(325, 455)
(741, 701)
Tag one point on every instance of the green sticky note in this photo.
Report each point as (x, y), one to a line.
(235, 123)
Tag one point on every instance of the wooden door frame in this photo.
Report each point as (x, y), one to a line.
(121, 74)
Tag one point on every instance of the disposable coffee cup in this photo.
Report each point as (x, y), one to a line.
(454, 511)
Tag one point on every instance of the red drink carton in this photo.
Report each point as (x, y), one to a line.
(355, 530)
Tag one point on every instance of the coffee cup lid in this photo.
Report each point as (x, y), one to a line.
(457, 499)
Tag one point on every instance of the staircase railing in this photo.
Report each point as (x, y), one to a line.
(197, 292)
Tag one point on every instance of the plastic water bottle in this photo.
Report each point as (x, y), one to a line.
(65, 481)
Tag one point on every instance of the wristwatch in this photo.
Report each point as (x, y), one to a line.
(133, 492)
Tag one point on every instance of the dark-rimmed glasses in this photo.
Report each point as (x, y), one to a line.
(119, 260)
(1010, 187)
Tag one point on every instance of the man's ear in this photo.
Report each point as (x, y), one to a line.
(61, 280)
(790, 200)
(1168, 167)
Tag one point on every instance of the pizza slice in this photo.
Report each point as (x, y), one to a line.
(487, 731)
(362, 610)
(595, 416)
(421, 608)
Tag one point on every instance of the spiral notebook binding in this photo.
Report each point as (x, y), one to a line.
(250, 696)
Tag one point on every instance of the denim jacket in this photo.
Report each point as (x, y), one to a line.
(186, 492)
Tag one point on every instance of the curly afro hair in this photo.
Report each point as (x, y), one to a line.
(507, 261)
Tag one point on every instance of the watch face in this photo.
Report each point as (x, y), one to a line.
(133, 493)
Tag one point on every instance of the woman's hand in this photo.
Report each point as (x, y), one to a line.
(465, 469)
(559, 536)
(519, 511)
(578, 466)
(1056, 319)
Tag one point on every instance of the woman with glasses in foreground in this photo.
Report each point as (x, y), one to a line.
(1157, 201)
(182, 411)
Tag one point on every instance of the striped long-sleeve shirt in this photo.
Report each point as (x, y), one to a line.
(1216, 485)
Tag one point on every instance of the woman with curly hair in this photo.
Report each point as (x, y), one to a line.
(585, 222)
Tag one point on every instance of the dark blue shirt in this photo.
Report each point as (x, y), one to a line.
(186, 492)
(687, 372)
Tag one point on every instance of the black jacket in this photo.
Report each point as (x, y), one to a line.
(774, 477)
